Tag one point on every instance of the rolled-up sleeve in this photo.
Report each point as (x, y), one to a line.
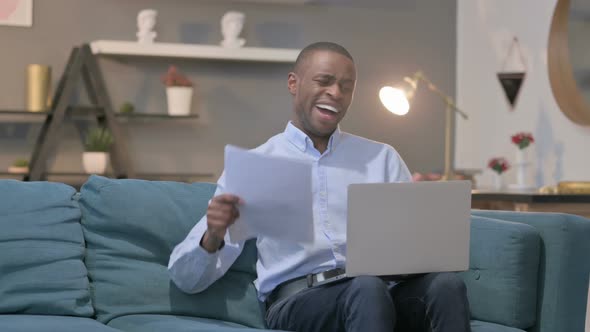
(192, 268)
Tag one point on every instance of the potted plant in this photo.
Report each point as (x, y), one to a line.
(499, 165)
(96, 146)
(20, 166)
(126, 108)
(522, 141)
(179, 92)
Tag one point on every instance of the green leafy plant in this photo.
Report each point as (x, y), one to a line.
(127, 107)
(98, 140)
(21, 163)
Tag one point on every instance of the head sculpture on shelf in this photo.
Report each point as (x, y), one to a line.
(146, 21)
(232, 23)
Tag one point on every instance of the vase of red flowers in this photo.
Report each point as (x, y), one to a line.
(179, 92)
(522, 141)
(499, 165)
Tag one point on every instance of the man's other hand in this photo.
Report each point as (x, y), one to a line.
(221, 213)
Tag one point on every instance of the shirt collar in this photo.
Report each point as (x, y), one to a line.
(302, 141)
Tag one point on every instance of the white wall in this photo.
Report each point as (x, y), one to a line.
(484, 33)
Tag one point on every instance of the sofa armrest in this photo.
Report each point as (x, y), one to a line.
(502, 278)
(564, 266)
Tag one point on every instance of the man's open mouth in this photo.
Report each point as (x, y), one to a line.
(327, 108)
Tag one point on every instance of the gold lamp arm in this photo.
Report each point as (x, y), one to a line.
(450, 110)
(419, 76)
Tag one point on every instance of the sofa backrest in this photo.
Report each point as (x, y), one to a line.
(564, 266)
(41, 251)
(131, 227)
(502, 277)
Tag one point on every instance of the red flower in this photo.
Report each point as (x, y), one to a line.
(499, 165)
(523, 139)
(174, 78)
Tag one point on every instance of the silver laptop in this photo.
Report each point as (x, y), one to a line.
(397, 229)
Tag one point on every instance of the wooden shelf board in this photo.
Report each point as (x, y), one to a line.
(83, 112)
(198, 51)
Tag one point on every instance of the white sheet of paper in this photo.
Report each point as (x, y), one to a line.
(277, 195)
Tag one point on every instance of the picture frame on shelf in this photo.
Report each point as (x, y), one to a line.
(16, 13)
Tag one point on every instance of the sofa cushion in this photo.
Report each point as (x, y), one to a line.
(564, 266)
(131, 227)
(41, 251)
(39, 323)
(502, 278)
(158, 323)
(479, 326)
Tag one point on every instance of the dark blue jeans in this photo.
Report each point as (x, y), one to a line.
(435, 302)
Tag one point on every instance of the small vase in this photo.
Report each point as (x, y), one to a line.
(38, 86)
(498, 181)
(522, 164)
(522, 156)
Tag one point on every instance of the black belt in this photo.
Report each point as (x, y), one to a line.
(293, 286)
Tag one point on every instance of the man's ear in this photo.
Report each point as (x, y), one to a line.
(292, 83)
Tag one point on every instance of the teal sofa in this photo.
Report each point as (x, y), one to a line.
(95, 260)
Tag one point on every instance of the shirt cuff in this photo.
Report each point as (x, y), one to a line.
(218, 249)
(204, 254)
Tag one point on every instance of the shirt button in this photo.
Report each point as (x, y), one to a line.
(322, 194)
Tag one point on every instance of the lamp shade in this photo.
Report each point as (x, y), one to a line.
(395, 100)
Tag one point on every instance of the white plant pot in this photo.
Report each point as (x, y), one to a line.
(179, 100)
(95, 162)
(18, 169)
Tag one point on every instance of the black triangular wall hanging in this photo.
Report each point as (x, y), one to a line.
(511, 83)
(511, 80)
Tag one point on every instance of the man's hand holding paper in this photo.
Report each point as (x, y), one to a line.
(277, 195)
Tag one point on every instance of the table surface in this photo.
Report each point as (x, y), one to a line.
(528, 197)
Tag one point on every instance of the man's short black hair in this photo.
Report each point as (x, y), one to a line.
(320, 46)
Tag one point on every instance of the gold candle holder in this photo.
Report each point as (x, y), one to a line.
(38, 86)
(574, 187)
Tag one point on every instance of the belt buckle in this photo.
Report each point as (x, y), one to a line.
(317, 278)
(328, 276)
(309, 279)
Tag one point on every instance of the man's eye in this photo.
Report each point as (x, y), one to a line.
(346, 88)
(323, 82)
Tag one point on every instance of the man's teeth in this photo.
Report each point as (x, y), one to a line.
(327, 107)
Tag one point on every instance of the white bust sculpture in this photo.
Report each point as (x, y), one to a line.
(146, 20)
(232, 23)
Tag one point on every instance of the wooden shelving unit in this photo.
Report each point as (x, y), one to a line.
(83, 67)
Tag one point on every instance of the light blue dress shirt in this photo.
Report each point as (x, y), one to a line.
(348, 159)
